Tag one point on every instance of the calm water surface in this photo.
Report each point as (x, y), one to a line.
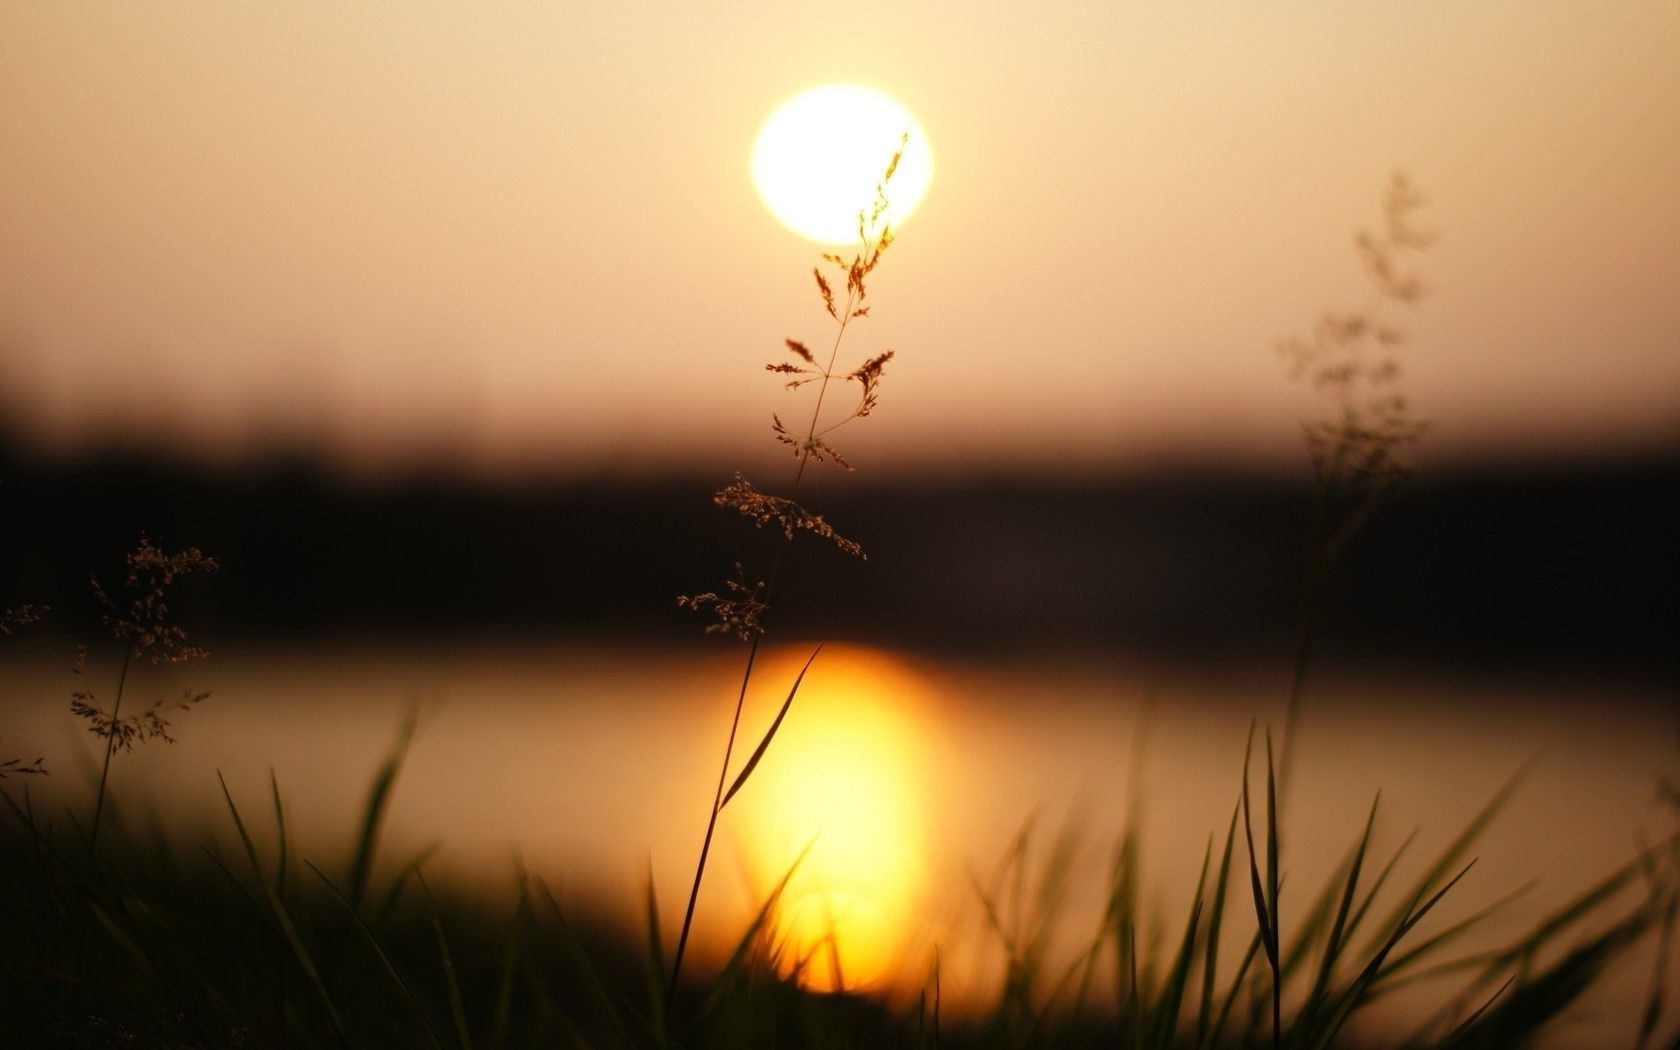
(906, 776)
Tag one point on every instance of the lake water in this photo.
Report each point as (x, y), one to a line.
(908, 776)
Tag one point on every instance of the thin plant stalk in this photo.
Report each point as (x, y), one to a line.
(110, 749)
(807, 447)
(1357, 453)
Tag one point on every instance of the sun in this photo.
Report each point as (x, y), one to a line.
(819, 157)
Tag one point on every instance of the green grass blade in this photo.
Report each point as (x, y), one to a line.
(655, 959)
(1333, 945)
(583, 968)
(1449, 858)
(1428, 947)
(1235, 989)
(743, 947)
(280, 835)
(1216, 916)
(1454, 1037)
(280, 868)
(770, 734)
(1354, 995)
(510, 959)
(1357, 920)
(384, 957)
(283, 918)
(457, 1008)
(373, 812)
(1538, 999)
(1171, 1001)
(399, 882)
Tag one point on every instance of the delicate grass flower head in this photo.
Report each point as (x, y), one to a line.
(17, 616)
(1352, 356)
(737, 607)
(141, 616)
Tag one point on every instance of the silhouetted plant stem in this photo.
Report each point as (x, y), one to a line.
(110, 749)
(752, 661)
(1325, 554)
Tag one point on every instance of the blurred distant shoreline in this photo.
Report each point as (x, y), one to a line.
(1574, 564)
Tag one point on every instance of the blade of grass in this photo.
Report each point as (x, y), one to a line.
(1172, 991)
(1449, 857)
(1216, 916)
(584, 969)
(1263, 907)
(1538, 999)
(1353, 996)
(384, 957)
(1333, 946)
(510, 958)
(373, 812)
(770, 734)
(280, 982)
(1390, 976)
(743, 946)
(283, 918)
(1469, 1023)
(656, 960)
(399, 882)
(457, 1008)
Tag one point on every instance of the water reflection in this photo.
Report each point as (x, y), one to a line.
(845, 782)
(911, 774)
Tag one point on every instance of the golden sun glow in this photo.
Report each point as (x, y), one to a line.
(845, 778)
(819, 157)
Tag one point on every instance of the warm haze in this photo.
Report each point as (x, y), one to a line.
(438, 606)
(528, 238)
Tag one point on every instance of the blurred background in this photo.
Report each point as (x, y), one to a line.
(439, 326)
(338, 294)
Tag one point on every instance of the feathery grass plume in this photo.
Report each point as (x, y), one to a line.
(741, 607)
(138, 616)
(1358, 451)
(16, 616)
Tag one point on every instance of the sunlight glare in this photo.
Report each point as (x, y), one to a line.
(818, 158)
(846, 775)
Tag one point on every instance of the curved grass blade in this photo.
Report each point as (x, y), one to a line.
(743, 946)
(1333, 946)
(283, 918)
(378, 801)
(1449, 857)
(510, 958)
(764, 745)
(1171, 1000)
(380, 953)
(595, 990)
(656, 961)
(457, 1008)
(1216, 916)
(1354, 995)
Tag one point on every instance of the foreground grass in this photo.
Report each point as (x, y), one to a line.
(249, 944)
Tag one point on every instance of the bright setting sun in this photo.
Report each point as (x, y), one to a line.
(819, 157)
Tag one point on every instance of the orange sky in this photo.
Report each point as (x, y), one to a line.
(525, 234)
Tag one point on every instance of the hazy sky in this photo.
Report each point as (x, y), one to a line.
(525, 233)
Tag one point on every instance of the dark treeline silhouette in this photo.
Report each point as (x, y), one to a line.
(1569, 563)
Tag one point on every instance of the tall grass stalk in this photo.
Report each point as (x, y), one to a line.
(742, 608)
(1358, 451)
(110, 750)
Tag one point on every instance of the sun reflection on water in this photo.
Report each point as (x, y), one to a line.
(846, 776)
